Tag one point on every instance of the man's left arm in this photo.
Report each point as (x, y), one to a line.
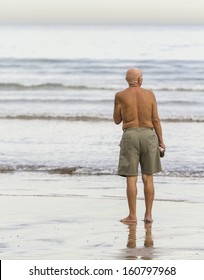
(157, 124)
(117, 116)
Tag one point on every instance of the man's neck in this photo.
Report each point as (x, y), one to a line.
(134, 85)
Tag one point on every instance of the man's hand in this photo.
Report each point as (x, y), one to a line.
(162, 145)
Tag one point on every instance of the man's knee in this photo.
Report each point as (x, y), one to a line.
(146, 178)
(131, 178)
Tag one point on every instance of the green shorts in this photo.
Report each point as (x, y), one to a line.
(139, 145)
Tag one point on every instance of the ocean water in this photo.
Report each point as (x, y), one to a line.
(57, 86)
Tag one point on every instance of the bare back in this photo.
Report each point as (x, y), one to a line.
(137, 107)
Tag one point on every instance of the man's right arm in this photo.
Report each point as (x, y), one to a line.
(117, 116)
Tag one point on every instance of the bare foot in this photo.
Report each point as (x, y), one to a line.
(148, 220)
(129, 220)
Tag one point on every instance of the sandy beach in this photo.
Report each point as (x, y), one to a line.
(77, 217)
(60, 197)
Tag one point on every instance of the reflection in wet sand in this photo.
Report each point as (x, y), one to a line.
(148, 242)
(145, 252)
(132, 236)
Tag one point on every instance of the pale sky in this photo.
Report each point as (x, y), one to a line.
(102, 11)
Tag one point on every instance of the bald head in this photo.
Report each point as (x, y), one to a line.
(134, 77)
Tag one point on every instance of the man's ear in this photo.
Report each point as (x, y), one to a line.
(140, 80)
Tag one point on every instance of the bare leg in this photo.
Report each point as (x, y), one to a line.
(149, 196)
(131, 197)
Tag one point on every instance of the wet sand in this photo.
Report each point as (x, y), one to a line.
(60, 217)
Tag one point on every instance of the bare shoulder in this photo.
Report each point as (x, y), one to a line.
(150, 93)
(119, 94)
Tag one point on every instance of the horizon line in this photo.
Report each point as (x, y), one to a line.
(98, 24)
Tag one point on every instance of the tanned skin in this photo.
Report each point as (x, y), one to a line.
(137, 107)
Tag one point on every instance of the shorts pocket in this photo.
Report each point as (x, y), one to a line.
(125, 140)
(152, 141)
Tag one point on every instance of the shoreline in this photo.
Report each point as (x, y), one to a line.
(68, 217)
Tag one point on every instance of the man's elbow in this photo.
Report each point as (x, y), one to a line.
(156, 121)
(117, 120)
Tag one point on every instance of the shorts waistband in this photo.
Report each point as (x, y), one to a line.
(136, 129)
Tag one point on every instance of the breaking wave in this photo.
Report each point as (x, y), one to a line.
(57, 118)
(60, 87)
(86, 118)
(49, 86)
(90, 171)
